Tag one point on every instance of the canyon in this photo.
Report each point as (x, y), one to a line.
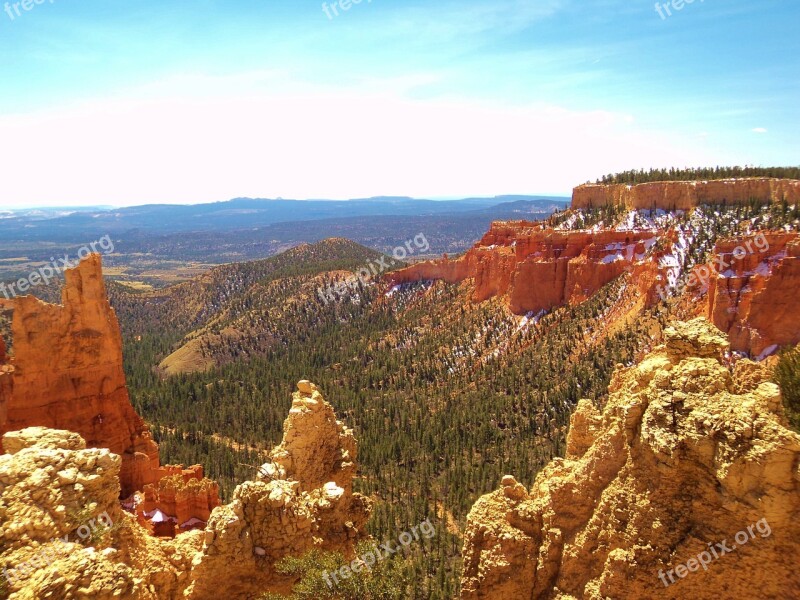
(535, 268)
(689, 446)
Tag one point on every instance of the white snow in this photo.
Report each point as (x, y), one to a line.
(530, 318)
(762, 269)
(767, 352)
(192, 523)
(156, 516)
(612, 258)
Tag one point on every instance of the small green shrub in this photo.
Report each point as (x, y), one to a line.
(387, 579)
(99, 533)
(787, 375)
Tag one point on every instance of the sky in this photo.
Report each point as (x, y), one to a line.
(104, 102)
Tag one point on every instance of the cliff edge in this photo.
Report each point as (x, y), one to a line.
(685, 195)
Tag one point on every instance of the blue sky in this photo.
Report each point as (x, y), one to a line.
(135, 102)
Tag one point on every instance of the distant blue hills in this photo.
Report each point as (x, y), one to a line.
(246, 213)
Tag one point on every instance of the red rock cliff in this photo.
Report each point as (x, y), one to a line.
(6, 379)
(751, 281)
(67, 374)
(683, 195)
(538, 268)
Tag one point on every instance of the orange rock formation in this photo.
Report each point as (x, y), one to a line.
(751, 281)
(539, 268)
(6, 385)
(684, 195)
(753, 295)
(185, 495)
(67, 374)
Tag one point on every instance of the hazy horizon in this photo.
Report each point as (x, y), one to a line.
(499, 197)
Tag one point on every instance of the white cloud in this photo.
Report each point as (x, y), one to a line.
(315, 144)
(759, 130)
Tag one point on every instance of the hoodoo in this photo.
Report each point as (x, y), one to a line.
(53, 490)
(66, 373)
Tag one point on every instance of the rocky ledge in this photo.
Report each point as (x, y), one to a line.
(687, 453)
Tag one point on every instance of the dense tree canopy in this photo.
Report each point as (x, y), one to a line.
(699, 174)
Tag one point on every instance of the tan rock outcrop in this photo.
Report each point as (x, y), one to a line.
(301, 501)
(685, 455)
(57, 497)
(684, 195)
(51, 486)
(316, 448)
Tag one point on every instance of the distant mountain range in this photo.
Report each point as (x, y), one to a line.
(157, 244)
(244, 213)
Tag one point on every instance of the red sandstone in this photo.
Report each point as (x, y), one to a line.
(537, 268)
(755, 300)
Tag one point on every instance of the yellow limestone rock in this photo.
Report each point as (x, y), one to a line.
(685, 453)
(51, 485)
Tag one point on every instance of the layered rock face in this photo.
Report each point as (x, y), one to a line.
(51, 475)
(684, 195)
(688, 453)
(751, 280)
(538, 268)
(753, 295)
